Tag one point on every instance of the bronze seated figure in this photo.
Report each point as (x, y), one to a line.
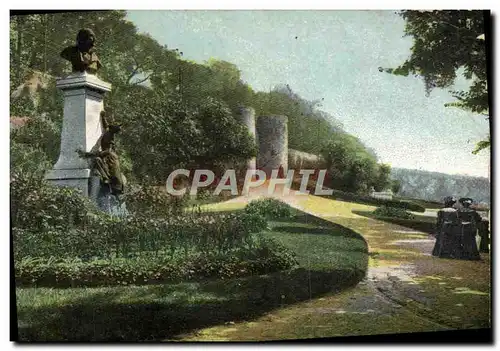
(105, 162)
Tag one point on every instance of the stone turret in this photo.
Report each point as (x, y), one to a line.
(272, 141)
(247, 116)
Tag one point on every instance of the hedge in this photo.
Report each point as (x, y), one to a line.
(94, 248)
(394, 212)
(268, 257)
(419, 223)
(368, 200)
(269, 208)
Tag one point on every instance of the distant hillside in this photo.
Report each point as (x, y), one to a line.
(435, 186)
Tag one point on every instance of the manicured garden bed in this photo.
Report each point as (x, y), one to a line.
(330, 258)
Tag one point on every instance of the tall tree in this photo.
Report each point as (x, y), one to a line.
(382, 180)
(351, 167)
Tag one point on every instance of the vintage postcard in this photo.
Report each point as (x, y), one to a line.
(251, 175)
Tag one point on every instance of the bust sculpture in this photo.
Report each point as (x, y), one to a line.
(82, 56)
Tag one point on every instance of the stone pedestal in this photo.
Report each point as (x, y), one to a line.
(82, 128)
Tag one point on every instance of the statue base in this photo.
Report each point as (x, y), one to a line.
(81, 129)
(74, 178)
(110, 203)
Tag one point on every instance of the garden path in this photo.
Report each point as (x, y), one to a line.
(405, 289)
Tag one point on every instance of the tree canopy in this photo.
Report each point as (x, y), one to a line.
(352, 167)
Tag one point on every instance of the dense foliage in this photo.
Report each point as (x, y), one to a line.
(352, 167)
(59, 236)
(267, 256)
(36, 206)
(388, 211)
(395, 186)
(363, 199)
(166, 134)
(269, 208)
(35, 146)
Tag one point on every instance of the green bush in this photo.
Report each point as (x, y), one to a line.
(38, 206)
(153, 201)
(105, 236)
(268, 256)
(269, 208)
(48, 220)
(42, 134)
(28, 159)
(182, 135)
(368, 200)
(394, 212)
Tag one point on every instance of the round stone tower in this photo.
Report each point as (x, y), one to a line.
(247, 116)
(272, 141)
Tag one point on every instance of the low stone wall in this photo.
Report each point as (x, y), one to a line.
(385, 195)
(303, 160)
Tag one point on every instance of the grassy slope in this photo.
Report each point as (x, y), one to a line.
(330, 257)
(318, 247)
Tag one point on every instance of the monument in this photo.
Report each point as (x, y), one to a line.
(87, 159)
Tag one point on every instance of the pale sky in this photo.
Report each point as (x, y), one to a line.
(336, 57)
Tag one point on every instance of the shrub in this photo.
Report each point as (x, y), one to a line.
(394, 212)
(270, 208)
(46, 226)
(38, 206)
(181, 135)
(41, 134)
(206, 196)
(154, 202)
(93, 247)
(28, 159)
(107, 237)
(351, 197)
(268, 256)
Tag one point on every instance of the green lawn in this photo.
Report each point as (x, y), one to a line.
(321, 245)
(331, 258)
